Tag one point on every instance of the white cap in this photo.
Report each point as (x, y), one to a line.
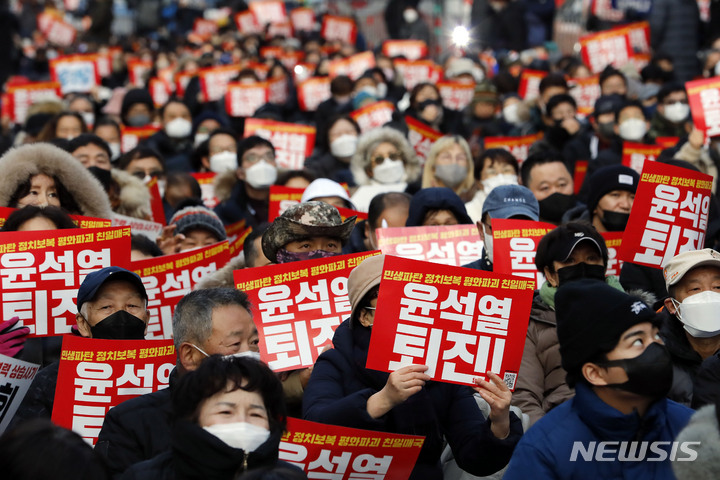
(324, 187)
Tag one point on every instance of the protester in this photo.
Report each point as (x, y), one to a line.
(66, 125)
(621, 372)
(32, 217)
(449, 164)
(387, 210)
(437, 206)
(672, 117)
(495, 167)
(336, 145)
(191, 228)
(548, 178)
(173, 141)
(343, 392)
(325, 190)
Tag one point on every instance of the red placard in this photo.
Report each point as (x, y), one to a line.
(205, 28)
(585, 91)
(353, 66)
(634, 155)
(303, 19)
(421, 137)
(96, 375)
(269, 11)
(169, 278)
(312, 92)
(137, 69)
(581, 167)
(515, 245)
(530, 83)
(207, 188)
(282, 198)
(41, 272)
(418, 71)
(612, 47)
(456, 95)
(20, 97)
(356, 454)
(293, 142)
(669, 215)
(131, 136)
(160, 91)
(300, 305)
(479, 321)
(272, 51)
(410, 49)
(280, 29)
(335, 28)
(374, 115)
(243, 99)
(75, 73)
(667, 142)
(704, 98)
(60, 33)
(214, 81)
(346, 213)
(247, 23)
(448, 245)
(613, 240)
(237, 244)
(156, 205)
(518, 146)
(639, 35)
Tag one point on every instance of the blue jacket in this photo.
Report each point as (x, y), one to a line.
(546, 449)
(340, 386)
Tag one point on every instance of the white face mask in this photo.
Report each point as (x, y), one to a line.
(632, 129)
(242, 435)
(498, 180)
(389, 171)
(677, 112)
(223, 161)
(410, 15)
(261, 175)
(510, 114)
(88, 118)
(178, 128)
(488, 242)
(344, 146)
(382, 90)
(700, 314)
(247, 353)
(115, 151)
(200, 138)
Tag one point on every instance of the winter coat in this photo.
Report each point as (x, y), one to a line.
(483, 263)
(175, 152)
(340, 386)
(546, 449)
(38, 401)
(706, 388)
(674, 30)
(662, 127)
(324, 165)
(701, 159)
(137, 429)
(235, 205)
(19, 164)
(134, 199)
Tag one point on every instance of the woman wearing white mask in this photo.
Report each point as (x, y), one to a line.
(497, 167)
(384, 162)
(174, 141)
(449, 164)
(229, 418)
(336, 145)
(218, 153)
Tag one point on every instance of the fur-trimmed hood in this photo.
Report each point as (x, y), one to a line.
(19, 164)
(224, 184)
(224, 276)
(134, 196)
(367, 141)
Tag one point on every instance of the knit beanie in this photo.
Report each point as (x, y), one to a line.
(607, 179)
(191, 218)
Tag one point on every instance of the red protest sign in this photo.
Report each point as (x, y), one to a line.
(80, 220)
(281, 198)
(669, 215)
(581, 167)
(300, 305)
(346, 213)
(353, 66)
(247, 23)
(269, 11)
(704, 99)
(518, 146)
(243, 99)
(160, 91)
(355, 453)
(613, 240)
(639, 35)
(585, 91)
(61, 33)
(131, 136)
(156, 205)
(169, 278)
(214, 81)
(206, 180)
(302, 19)
(137, 69)
(418, 71)
(41, 272)
(75, 73)
(20, 97)
(448, 245)
(611, 47)
(95, 375)
(336, 28)
(421, 137)
(374, 115)
(312, 92)
(456, 95)
(459, 322)
(634, 155)
(205, 28)
(667, 142)
(237, 245)
(410, 49)
(515, 245)
(293, 142)
(530, 83)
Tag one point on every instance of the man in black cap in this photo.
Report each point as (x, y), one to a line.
(619, 424)
(112, 304)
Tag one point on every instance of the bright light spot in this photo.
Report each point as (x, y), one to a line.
(460, 36)
(299, 69)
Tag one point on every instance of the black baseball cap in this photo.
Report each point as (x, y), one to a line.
(95, 280)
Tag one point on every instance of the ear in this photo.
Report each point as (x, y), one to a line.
(205, 161)
(83, 326)
(670, 307)
(189, 356)
(240, 173)
(594, 374)
(551, 277)
(479, 226)
(364, 318)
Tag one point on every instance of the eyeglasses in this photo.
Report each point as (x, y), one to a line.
(155, 173)
(392, 156)
(253, 158)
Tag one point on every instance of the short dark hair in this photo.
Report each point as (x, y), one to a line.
(538, 158)
(611, 71)
(141, 151)
(628, 104)
(552, 80)
(184, 178)
(85, 139)
(341, 85)
(161, 111)
(251, 253)
(323, 138)
(669, 88)
(145, 245)
(382, 202)
(251, 142)
(107, 122)
(56, 215)
(288, 175)
(559, 99)
(547, 251)
(216, 373)
(496, 155)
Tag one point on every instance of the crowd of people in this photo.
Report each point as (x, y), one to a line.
(606, 359)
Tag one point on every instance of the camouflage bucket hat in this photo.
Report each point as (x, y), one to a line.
(306, 220)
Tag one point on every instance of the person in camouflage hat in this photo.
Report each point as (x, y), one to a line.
(306, 231)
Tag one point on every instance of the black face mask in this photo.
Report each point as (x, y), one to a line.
(614, 221)
(557, 136)
(121, 325)
(649, 374)
(554, 207)
(579, 271)
(426, 103)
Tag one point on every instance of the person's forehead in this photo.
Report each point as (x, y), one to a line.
(222, 138)
(549, 171)
(698, 274)
(617, 192)
(114, 286)
(631, 111)
(257, 150)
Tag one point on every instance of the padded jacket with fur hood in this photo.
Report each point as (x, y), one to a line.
(134, 198)
(367, 143)
(19, 164)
